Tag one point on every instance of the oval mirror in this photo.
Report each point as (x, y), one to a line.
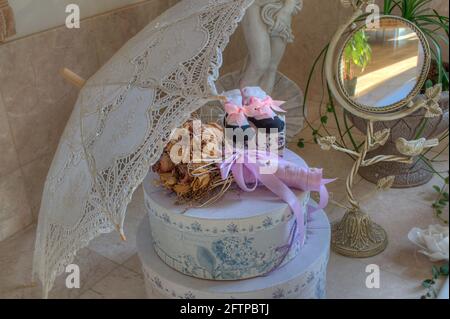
(382, 69)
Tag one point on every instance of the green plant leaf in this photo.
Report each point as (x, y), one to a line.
(443, 202)
(428, 283)
(444, 270)
(358, 52)
(436, 272)
(324, 119)
(301, 143)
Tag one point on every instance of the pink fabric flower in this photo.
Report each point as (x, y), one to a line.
(236, 114)
(261, 109)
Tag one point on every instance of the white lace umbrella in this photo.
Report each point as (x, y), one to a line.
(121, 122)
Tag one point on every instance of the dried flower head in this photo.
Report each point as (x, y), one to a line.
(168, 180)
(201, 182)
(165, 164)
(182, 189)
(192, 181)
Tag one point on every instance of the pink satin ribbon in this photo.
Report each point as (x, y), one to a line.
(247, 175)
(236, 114)
(263, 109)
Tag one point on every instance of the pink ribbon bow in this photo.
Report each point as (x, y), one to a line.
(289, 175)
(236, 114)
(263, 109)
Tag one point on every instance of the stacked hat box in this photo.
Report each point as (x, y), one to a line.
(233, 245)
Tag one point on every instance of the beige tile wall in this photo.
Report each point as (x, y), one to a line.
(35, 103)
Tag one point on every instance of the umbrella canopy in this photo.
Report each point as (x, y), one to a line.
(121, 123)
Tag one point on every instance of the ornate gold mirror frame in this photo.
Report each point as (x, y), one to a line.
(356, 235)
(401, 108)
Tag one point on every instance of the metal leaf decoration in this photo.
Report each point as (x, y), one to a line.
(326, 143)
(347, 3)
(386, 183)
(430, 102)
(380, 138)
(355, 3)
(433, 96)
(434, 93)
(433, 110)
(420, 102)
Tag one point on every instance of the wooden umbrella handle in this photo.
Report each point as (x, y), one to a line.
(73, 78)
(7, 24)
(79, 82)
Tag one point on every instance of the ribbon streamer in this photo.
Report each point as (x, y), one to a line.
(248, 171)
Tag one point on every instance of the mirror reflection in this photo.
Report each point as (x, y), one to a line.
(381, 67)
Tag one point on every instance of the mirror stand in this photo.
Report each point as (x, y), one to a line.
(356, 235)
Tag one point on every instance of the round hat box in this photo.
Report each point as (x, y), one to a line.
(239, 237)
(303, 278)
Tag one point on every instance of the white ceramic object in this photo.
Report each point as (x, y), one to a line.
(267, 30)
(236, 238)
(302, 278)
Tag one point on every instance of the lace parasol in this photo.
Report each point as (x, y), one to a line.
(121, 122)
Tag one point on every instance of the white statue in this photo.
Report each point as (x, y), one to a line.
(267, 29)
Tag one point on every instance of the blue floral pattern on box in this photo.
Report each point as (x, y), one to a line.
(298, 288)
(230, 258)
(223, 249)
(268, 222)
(224, 258)
(183, 223)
